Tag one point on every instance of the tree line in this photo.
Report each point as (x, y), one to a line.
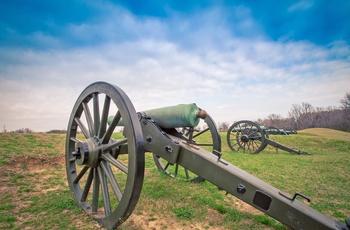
(300, 116)
(304, 115)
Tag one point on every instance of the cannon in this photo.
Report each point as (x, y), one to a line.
(247, 135)
(105, 171)
(276, 131)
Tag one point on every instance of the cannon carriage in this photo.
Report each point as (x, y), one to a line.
(105, 172)
(249, 136)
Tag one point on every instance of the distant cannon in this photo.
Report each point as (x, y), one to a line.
(105, 169)
(249, 136)
(276, 131)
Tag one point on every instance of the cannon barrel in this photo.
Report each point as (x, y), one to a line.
(183, 115)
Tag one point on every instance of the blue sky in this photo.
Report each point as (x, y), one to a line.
(236, 59)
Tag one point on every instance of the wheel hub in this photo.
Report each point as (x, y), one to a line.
(244, 138)
(88, 152)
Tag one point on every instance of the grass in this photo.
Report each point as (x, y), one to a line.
(34, 192)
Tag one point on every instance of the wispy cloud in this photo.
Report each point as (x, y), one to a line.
(234, 73)
(301, 5)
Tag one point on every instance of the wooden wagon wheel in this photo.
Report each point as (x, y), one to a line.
(105, 174)
(246, 135)
(212, 143)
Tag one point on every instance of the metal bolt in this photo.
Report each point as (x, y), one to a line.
(241, 189)
(149, 139)
(169, 149)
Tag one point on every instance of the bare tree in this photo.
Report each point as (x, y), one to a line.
(23, 130)
(307, 115)
(302, 115)
(346, 101)
(223, 126)
(346, 111)
(295, 113)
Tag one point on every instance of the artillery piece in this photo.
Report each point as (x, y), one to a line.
(276, 131)
(105, 172)
(247, 135)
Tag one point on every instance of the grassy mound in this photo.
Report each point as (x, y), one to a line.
(328, 133)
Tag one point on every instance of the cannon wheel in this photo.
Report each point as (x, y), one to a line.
(246, 135)
(212, 144)
(105, 175)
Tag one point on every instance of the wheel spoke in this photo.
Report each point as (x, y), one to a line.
(200, 133)
(244, 145)
(240, 127)
(81, 174)
(236, 143)
(114, 184)
(113, 145)
(252, 135)
(105, 194)
(88, 118)
(110, 159)
(257, 144)
(87, 185)
(250, 129)
(76, 140)
(111, 128)
(96, 112)
(252, 144)
(82, 127)
(96, 191)
(104, 117)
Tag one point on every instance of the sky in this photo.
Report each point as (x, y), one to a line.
(238, 60)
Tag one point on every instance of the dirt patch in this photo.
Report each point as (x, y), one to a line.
(160, 221)
(244, 207)
(34, 162)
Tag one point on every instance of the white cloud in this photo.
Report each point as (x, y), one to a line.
(232, 78)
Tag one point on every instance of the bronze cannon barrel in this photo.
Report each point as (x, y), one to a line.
(183, 115)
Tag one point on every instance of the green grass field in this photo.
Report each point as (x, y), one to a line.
(34, 193)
